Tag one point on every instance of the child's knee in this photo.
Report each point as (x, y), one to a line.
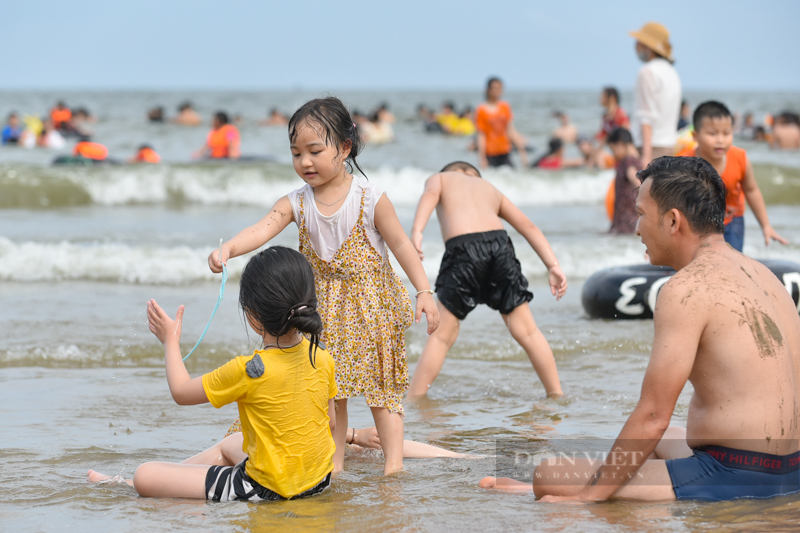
(144, 477)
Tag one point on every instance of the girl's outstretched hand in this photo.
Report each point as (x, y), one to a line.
(217, 258)
(558, 282)
(162, 326)
(426, 304)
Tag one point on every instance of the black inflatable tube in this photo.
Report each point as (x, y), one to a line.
(630, 292)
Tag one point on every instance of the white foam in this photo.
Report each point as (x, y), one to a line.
(31, 261)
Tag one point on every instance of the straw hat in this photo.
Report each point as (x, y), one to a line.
(655, 37)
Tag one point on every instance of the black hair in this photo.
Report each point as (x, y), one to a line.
(553, 146)
(337, 125)
(612, 92)
(710, 109)
(222, 117)
(145, 146)
(460, 165)
(619, 135)
(12, 115)
(489, 83)
(184, 106)
(277, 291)
(787, 117)
(690, 185)
(450, 104)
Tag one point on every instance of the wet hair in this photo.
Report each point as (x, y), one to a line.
(11, 115)
(711, 109)
(460, 165)
(690, 185)
(277, 291)
(489, 83)
(553, 146)
(450, 105)
(145, 147)
(787, 117)
(558, 114)
(619, 135)
(222, 117)
(184, 106)
(611, 92)
(337, 125)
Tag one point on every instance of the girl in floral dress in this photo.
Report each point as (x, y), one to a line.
(347, 227)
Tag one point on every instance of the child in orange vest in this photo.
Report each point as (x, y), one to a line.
(713, 132)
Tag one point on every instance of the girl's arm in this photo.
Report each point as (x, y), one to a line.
(756, 201)
(255, 236)
(514, 216)
(184, 389)
(332, 414)
(427, 203)
(391, 230)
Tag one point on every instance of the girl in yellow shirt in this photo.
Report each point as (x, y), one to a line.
(285, 394)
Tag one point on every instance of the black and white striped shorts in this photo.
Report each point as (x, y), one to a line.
(231, 483)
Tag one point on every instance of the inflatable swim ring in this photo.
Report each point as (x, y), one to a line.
(631, 291)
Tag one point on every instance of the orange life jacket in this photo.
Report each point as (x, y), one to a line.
(148, 155)
(60, 117)
(219, 141)
(95, 151)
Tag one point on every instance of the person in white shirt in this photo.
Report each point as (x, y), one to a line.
(657, 94)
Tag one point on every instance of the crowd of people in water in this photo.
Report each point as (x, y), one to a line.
(490, 123)
(333, 314)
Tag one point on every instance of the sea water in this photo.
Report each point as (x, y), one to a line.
(82, 382)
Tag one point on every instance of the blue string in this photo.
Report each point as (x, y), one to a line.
(219, 301)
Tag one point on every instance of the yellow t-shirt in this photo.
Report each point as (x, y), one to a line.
(284, 415)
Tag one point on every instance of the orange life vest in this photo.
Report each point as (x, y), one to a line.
(60, 117)
(219, 141)
(95, 151)
(148, 155)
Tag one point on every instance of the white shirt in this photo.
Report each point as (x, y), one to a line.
(328, 233)
(657, 101)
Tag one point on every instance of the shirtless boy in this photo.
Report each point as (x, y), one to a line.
(479, 266)
(727, 324)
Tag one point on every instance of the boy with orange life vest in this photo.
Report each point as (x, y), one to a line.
(713, 132)
(223, 140)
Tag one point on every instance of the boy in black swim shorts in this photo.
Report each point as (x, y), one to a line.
(480, 267)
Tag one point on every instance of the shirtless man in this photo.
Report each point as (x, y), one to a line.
(725, 323)
(479, 266)
(566, 131)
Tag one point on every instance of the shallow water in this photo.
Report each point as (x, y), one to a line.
(82, 381)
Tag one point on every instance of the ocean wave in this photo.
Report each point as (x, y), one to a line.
(261, 184)
(256, 184)
(181, 265)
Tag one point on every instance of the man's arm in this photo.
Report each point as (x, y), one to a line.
(482, 161)
(756, 202)
(679, 325)
(514, 216)
(427, 203)
(519, 142)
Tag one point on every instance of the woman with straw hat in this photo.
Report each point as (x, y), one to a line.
(657, 94)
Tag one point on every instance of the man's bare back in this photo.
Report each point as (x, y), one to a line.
(747, 369)
(467, 204)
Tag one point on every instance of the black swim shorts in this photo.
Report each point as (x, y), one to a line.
(231, 483)
(481, 268)
(499, 160)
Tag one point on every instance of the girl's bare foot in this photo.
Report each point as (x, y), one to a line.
(97, 477)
